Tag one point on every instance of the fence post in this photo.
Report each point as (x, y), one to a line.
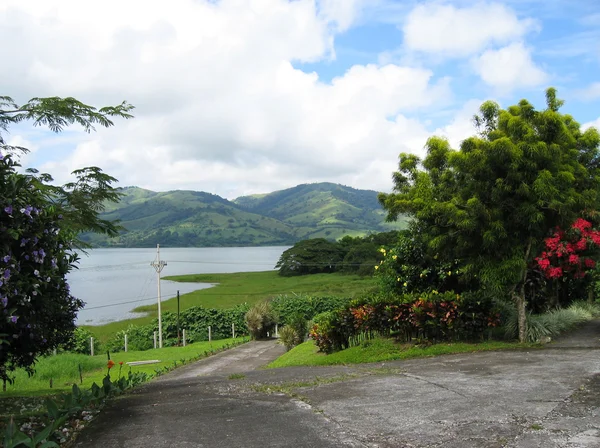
(209, 335)
(92, 346)
(276, 333)
(155, 339)
(233, 330)
(125, 342)
(184, 337)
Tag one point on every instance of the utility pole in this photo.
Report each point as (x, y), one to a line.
(158, 265)
(178, 335)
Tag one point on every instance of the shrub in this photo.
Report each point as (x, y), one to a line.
(288, 307)
(80, 342)
(300, 326)
(288, 337)
(552, 323)
(407, 268)
(434, 317)
(261, 320)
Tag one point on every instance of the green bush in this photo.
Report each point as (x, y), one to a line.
(288, 337)
(289, 307)
(80, 342)
(261, 320)
(300, 326)
(407, 268)
(197, 319)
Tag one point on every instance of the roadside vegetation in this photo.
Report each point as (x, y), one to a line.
(238, 289)
(58, 373)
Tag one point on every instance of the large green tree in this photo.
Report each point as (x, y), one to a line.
(492, 202)
(313, 256)
(39, 225)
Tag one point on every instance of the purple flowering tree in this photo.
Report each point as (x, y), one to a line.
(39, 225)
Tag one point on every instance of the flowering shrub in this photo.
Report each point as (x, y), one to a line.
(37, 310)
(432, 316)
(406, 268)
(570, 253)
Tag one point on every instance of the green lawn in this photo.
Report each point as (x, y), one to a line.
(64, 372)
(240, 287)
(382, 349)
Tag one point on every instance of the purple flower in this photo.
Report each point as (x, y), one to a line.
(27, 210)
(36, 273)
(26, 257)
(6, 258)
(7, 273)
(24, 241)
(4, 301)
(8, 210)
(14, 319)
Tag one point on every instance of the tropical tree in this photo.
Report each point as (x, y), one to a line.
(39, 224)
(313, 256)
(492, 203)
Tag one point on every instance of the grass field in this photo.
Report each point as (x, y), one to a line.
(250, 287)
(63, 368)
(382, 349)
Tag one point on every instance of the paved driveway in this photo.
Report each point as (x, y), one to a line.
(531, 398)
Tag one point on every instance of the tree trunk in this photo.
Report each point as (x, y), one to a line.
(521, 316)
(520, 300)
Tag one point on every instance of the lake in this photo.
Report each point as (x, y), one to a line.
(114, 281)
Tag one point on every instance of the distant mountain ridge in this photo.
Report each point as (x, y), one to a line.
(185, 218)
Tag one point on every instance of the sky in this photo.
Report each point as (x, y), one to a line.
(237, 97)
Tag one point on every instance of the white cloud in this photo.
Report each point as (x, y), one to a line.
(453, 31)
(509, 67)
(220, 105)
(590, 93)
(595, 124)
(461, 126)
(342, 13)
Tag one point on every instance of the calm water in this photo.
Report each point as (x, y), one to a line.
(114, 281)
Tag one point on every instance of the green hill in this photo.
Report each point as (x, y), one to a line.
(190, 218)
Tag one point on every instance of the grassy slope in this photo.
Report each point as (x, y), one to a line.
(63, 368)
(250, 287)
(381, 349)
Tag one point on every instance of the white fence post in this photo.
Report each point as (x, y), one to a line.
(233, 330)
(92, 346)
(209, 335)
(125, 342)
(276, 333)
(184, 337)
(155, 339)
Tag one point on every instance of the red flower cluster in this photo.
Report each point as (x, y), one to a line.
(564, 251)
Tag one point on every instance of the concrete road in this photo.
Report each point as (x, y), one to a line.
(533, 398)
